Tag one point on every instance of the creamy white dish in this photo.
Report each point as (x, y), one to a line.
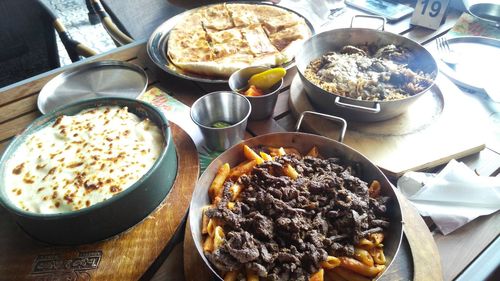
(78, 161)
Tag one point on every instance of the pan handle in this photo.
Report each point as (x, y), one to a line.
(336, 119)
(374, 110)
(371, 17)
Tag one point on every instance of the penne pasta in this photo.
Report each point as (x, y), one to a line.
(363, 256)
(374, 189)
(377, 238)
(204, 221)
(243, 168)
(318, 275)
(235, 190)
(366, 244)
(359, 267)
(290, 171)
(281, 151)
(211, 225)
(349, 275)
(251, 155)
(208, 244)
(330, 262)
(218, 237)
(215, 189)
(313, 152)
(331, 275)
(231, 275)
(378, 255)
(265, 156)
(251, 276)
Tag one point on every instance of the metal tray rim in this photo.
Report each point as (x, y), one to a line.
(48, 89)
(450, 73)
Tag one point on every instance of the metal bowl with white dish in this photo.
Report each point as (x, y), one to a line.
(89, 170)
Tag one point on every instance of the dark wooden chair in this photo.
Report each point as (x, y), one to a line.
(28, 42)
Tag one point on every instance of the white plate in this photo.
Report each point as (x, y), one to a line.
(478, 61)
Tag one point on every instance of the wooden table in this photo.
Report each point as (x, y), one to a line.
(458, 250)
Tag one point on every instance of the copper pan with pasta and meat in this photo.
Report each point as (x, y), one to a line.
(295, 206)
(364, 74)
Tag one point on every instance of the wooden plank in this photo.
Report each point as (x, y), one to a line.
(214, 87)
(398, 145)
(282, 107)
(473, 238)
(287, 122)
(17, 108)
(15, 126)
(264, 127)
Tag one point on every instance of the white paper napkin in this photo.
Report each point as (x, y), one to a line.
(453, 197)
(317, 12)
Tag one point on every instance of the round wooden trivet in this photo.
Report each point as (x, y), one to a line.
(418, 262)
(126, 256)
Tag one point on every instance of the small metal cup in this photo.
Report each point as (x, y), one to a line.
(262, 106)
(225, 106)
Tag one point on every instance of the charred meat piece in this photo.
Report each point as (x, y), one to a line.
(352, 50)
(282, 229)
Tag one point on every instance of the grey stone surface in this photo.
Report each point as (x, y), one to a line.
(74, 15)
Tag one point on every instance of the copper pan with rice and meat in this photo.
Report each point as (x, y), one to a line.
(364, 74)
(264, 232)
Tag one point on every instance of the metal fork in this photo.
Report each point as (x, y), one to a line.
(446, 54)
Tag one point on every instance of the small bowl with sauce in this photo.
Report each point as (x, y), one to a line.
(222, 118)
(263, 101)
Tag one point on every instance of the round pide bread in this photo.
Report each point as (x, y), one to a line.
(220, 39)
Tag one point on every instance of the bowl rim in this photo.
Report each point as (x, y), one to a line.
(44, 120)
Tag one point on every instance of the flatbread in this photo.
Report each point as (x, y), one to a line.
(220, 39)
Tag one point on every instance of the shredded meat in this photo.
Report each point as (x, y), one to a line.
(364, 74)
(282, 229)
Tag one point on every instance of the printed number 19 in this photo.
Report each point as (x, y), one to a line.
(435, 7)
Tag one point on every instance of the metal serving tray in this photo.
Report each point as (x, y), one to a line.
(93, 80)
(157, 46)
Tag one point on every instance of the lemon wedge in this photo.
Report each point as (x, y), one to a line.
(268, 78)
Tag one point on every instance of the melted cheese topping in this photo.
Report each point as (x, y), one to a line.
(78, 161)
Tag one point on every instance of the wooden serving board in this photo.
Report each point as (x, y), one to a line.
(441, 125)
(126, 256)
(417, 259)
